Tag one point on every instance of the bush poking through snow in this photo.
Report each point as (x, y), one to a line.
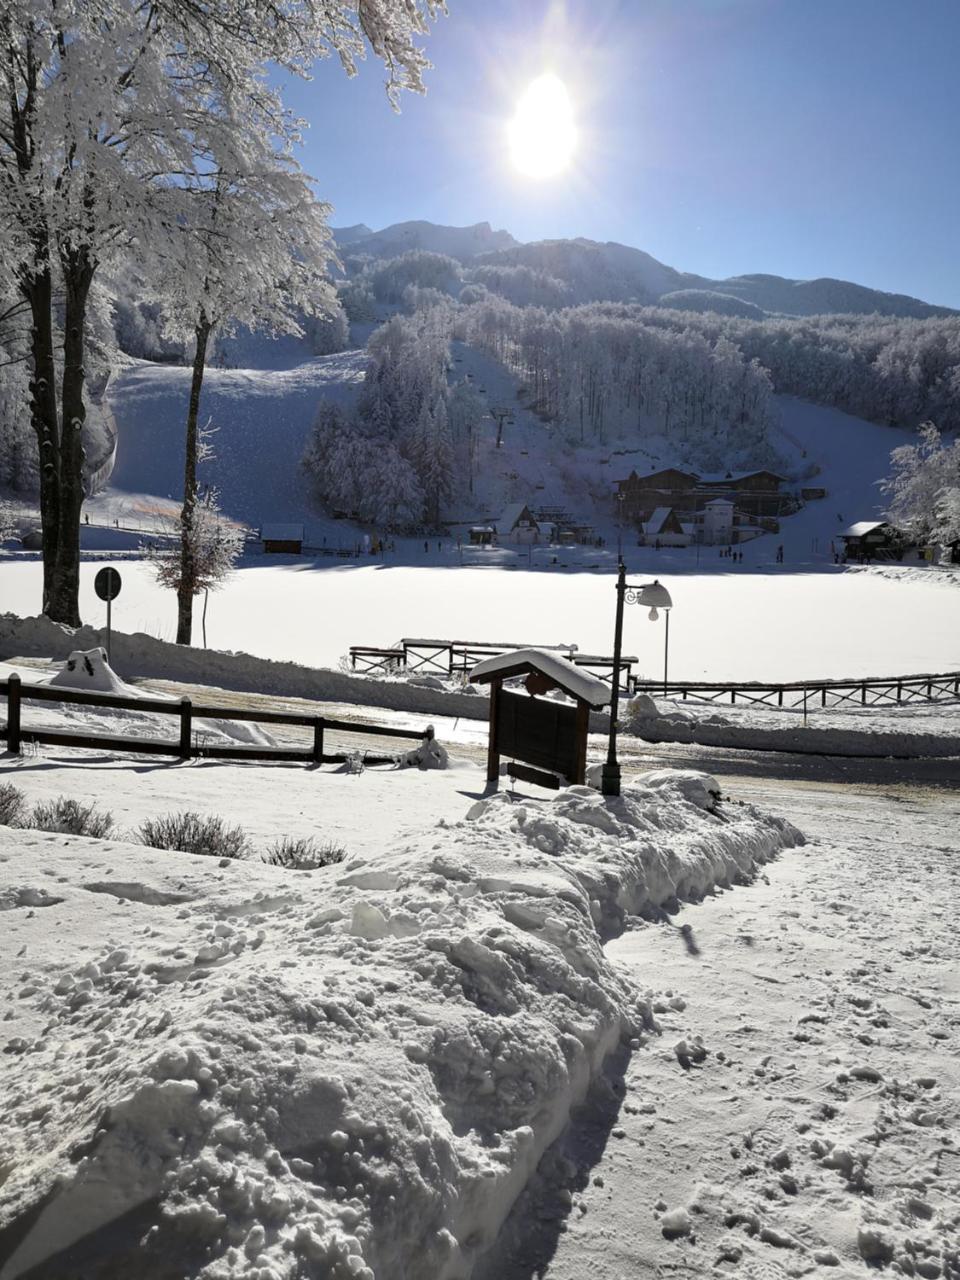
(303, 853)
(12, 805)
(190, 832)
(71, 817)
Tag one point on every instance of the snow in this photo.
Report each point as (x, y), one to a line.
(912, 731)
(262, 417)
(817, 1133)
(726, 624)
(351, 1072)
(571, 678)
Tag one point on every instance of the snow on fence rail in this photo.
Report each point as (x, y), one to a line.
(186, 747)
(878, 691)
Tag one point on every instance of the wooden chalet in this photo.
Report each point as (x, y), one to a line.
(664, 528)
(874, 540)
(282, 539)
(518, 524)
(755, 493)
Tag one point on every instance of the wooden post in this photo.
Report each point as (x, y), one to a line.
(583, 728)
(493, 753)
(13, 714)
(318, 740)
(185, 716)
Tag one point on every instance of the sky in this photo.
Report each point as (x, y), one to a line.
(798, 137)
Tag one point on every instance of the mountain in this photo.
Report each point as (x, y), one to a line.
(456, 242)
(614, 272)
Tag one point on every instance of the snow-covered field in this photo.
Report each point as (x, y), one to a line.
(736, 626)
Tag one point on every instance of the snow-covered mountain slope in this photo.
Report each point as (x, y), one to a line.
(263, 414)
(262, 417)
(617, 272)
(457, 242)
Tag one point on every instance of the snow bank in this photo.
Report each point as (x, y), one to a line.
(651, 723)
(144, 656)
(89, 670)
(344, 1073)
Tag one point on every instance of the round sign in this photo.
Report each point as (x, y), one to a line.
(107, 583)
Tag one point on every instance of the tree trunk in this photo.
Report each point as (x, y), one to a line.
(187, 587)
(44, 415)
(64, 604)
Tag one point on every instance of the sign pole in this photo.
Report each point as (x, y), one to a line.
(109, 610)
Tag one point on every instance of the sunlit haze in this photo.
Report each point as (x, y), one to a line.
(543, 133)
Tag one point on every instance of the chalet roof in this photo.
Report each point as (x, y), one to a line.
(656, 475)
(865, 526)
(571, 679)
(657, 520)
(719, 502)
(512, 514)
(282, 533)
(736, 476)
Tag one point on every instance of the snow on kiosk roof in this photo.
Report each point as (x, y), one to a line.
(571, 679)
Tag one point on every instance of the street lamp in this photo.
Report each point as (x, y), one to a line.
(654, 596)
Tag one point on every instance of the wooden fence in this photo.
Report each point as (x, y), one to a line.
(450, 657)
(187, 745)
(877, 691)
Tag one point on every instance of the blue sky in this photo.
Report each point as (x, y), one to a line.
(799, 137)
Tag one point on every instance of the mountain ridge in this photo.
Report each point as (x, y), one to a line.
(608, 271)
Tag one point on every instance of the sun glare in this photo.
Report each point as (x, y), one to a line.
(542, 133)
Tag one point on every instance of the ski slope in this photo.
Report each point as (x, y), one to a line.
(262, 417)
(262, 413)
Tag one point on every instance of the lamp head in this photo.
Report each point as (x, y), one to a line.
(657, 597)
(653, 615)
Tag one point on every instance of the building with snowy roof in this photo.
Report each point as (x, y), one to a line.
(874, 540)
(282, 539)
(664, 528)
(518, 524)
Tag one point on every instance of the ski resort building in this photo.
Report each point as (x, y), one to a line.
(874, 540)
(755, 493)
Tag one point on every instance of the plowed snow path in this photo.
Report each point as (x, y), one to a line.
(819, 1128)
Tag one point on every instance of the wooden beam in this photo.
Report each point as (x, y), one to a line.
(493, 747)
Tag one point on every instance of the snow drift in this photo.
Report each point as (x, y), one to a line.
(222, 1069)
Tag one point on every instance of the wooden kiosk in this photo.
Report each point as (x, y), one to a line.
(542, 732)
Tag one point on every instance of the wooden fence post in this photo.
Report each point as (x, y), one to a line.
(185, 716)
(13, 714)
(318, 740)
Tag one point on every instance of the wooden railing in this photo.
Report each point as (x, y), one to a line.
(449, 657)
(875, 691)
(187, 745)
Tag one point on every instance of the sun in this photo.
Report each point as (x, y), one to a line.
(543, 132)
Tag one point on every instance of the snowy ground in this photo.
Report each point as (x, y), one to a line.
(227, 1069)
(724, 625)
(814, 1123)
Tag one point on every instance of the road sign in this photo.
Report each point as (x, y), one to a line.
(107, 584)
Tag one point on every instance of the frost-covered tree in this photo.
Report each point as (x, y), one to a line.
(248, 244)
(102, 108)
(924, 486)
(215, 546)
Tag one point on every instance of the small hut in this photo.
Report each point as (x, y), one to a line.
(518, 524)
(873, 540)
(540, 731)
(282, 539)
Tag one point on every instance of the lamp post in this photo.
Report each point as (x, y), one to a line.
(656, 596)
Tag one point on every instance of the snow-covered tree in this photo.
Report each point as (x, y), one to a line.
(924, 485)
(104, 108)
(215, 545)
